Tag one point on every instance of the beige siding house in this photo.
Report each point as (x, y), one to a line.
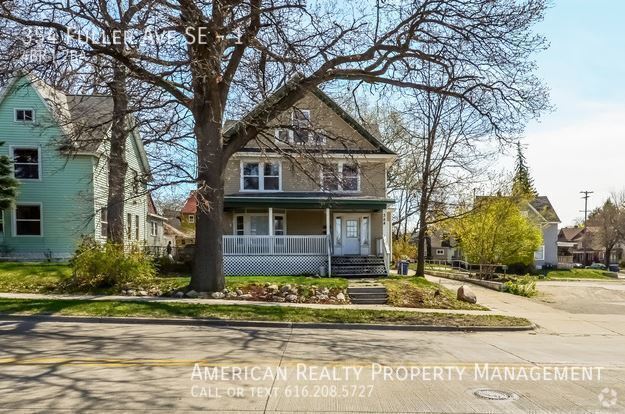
(308, 196)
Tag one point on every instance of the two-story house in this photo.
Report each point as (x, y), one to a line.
(62, 194)
(308, 196)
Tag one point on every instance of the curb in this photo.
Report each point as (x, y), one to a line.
(262, 324)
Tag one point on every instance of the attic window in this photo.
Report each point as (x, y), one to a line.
(301, 126)
(24, 115)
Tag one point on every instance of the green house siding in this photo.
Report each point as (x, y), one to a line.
(65, 188)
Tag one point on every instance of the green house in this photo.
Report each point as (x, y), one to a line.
(58, 145)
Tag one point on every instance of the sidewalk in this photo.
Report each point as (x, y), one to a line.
(237, 302)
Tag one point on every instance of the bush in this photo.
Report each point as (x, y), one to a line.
(522, 286)
(403, 249)
(98, 266)
(521, 269)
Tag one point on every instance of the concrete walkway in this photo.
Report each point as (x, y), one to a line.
(236, 302)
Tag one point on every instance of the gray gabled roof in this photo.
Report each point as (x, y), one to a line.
(543, 206)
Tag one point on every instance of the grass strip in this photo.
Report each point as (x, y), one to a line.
(107, 308)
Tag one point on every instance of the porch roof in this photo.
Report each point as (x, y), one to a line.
(306, 200)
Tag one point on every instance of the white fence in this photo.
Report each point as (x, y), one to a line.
(275, 245)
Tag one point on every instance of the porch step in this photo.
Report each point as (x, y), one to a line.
(367, 293)
(360, 266)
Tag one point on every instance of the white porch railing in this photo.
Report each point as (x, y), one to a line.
(279, 245)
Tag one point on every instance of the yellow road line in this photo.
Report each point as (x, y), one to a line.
(139, 362)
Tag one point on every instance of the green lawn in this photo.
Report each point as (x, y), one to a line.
(577, 274)
(52, 277)
(32, 277)
(418, 292)
(246, 312)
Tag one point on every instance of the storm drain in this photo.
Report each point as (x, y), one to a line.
(495, 395)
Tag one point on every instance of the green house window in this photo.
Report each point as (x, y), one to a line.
(28, 220)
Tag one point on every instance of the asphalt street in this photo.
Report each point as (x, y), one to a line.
(83, 367)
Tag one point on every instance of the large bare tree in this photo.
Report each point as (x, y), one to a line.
(225, 56)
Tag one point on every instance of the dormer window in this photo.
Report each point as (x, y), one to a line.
(24, 115)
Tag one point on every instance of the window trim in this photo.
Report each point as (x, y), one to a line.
(191, 218)
(261, 176)
(137, 232)
(339, 172)
(440, 252)
(14, 221)
(3, 227)
(153, 228)
(104, 224)
(247, 226)
(12, 149)
(541, 249)
(292, 130)
(24, 109)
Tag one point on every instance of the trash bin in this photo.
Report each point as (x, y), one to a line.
(403, 267)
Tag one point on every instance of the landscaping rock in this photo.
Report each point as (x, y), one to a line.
(192, 294)
(218, 295)
(246, 296)
(291, 298)
(131, 292)
(340, 297)
(143, 293)
(273, 288)
(239, 292)
(179, 295)
(278, 299)
(325, 291)
(465, 294)
(285, 288)
(322, 297)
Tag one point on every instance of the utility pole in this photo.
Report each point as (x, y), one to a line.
(585, 197)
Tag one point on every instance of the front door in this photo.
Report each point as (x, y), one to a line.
(351, 243)
(351, 234)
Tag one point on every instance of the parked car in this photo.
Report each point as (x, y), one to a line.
(614, 267)
(578, 266)
(599, 266)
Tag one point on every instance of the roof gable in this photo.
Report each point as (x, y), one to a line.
(231, 127)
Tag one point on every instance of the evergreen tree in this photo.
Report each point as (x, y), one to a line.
(522, 183)
(8, 184)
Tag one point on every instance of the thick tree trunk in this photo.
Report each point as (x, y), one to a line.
(117, 164)
(606, 259)
(208, 273)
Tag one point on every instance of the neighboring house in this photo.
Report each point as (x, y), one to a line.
(62, 194)
(187, 215)
(541, 209)
(286, 214)
(580, 245)
(155, 237)
(442, 246)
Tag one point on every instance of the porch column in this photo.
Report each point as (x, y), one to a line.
(270, 227)
(329, 238)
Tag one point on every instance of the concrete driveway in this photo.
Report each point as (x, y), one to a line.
(567, 308)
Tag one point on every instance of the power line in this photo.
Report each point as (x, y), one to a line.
(585, 197)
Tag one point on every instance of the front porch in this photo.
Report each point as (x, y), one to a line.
(298, 239)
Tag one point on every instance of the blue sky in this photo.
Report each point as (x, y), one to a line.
(581, 145)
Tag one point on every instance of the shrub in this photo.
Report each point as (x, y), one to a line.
(521, 269)
(97, 266)
(522, 286)
(403, 249)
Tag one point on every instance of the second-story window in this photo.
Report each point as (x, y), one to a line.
(260, 176)
(340, 177)
(26, 163)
